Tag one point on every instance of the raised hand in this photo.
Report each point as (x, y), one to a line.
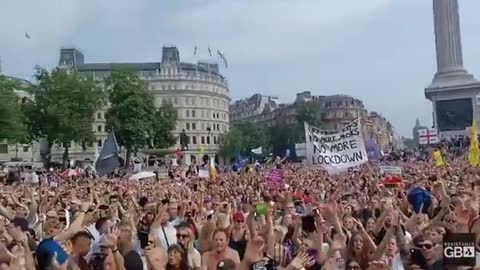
(301, 261)
(378, 265)
(111, 238)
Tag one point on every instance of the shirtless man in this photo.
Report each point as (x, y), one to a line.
(221, 251)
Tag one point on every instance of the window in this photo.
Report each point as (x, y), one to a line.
(202, 140)
(188, 113)
(187, 100)
(194, 139)
(208, 139)
(25, 148)
(99, 115)
(3, 148)
(213, 115)
(202, 126)
(214, 139)
(99, 128)
(193, 113)
(188, 139)
(187, 126)
(218, 115)
(99, 143)
(194, 126)
(218, 126)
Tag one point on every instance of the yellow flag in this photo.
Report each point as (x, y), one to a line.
(201, 150)
(474, 153)
(437, 156)
(213, 170)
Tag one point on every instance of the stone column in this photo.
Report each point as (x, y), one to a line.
(447, 37)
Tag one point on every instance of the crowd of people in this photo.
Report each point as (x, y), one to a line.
(356, 220)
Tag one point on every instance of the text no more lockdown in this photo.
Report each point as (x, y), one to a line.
(330, 153)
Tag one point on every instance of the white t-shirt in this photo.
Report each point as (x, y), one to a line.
(137, 167)
(396, 263)
(166, 236)
(95, 245)
(34, 178)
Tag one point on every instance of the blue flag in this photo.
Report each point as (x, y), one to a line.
(240, 162)
(108, 159)
(373, 152)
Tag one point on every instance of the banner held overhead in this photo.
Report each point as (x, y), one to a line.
(335, 151)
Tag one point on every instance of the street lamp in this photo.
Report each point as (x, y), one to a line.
(209, 130)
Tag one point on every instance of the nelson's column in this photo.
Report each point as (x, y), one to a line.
(454, 92)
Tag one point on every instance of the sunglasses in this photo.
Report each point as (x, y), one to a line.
(424, 246)
(182, 236)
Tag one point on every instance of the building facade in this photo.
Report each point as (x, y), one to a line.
(335, 112)
(250, 108)
(198, 91)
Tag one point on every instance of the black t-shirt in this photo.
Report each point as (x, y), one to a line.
(133, 261)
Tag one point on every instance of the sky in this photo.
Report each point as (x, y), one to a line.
(381, 51)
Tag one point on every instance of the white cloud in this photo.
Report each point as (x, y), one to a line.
(270, 29)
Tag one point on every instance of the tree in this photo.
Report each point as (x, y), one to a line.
(164, 123)
(132, 112)
(282, 136)
(309, 112)
(64, 108)
(243, 138)
(232, 143)
(11, 120)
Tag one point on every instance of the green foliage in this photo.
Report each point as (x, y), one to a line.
(11, 127)
(64, 107)
(283, 136)
(164, 123)
(131, 113)
(243, 138)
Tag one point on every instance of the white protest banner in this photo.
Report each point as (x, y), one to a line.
(335, 151)
(203, 173)
(391, 170)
